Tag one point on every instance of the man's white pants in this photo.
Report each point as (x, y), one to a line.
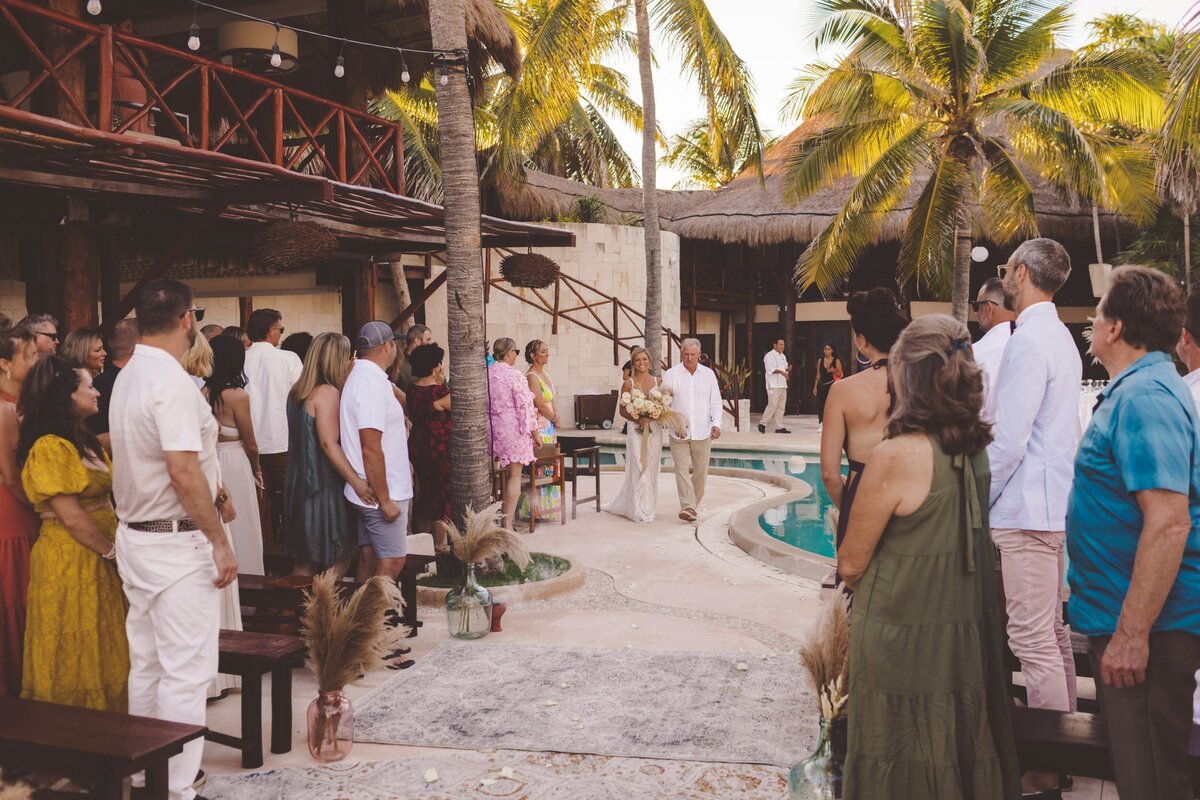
(172, 626)
(776, 401)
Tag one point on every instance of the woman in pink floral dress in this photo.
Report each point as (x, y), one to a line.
(513, 420)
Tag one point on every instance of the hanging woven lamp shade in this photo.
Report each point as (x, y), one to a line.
(294, 245)
(529, 270)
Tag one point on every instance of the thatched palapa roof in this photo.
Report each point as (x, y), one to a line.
(754, 212)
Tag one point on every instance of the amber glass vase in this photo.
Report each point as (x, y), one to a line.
(330, 727)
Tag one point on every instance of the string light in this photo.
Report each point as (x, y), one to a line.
(276, 58)
(339, 71)
(194, 31)
(94, 7)
(404, 76)
(444, 77)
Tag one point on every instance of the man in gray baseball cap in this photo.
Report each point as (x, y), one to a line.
(376, 445)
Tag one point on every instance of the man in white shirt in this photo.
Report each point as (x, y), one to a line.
(270, 375)
(997, 324)
(172, 551)
(1033, 462)
(777, 370)
(376, 445)
(697, 397)
(1188, 351)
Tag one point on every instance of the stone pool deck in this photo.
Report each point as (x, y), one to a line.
(667, 586)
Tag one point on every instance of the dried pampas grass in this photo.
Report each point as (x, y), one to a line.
(826, 654)
(346, 639)
(482, 538)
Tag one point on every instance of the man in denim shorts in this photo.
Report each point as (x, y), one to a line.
(375, 441)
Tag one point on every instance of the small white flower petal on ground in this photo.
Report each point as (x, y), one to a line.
(486, 781)
(575, 718)
(579, 727)
(633, 625)
(431, 775)
(628, 647)
(562, 686)
(551, 702)
(742, 667)
(507, 772)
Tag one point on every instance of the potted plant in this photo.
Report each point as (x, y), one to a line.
(469, 605)
(826, 655)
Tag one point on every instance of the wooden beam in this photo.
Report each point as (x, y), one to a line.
(245, 309)
(167, 259)
(71, 182)
(430, 289)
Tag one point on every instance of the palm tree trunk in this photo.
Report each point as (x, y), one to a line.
(1096, 233)
(960, 293)
(650, 192)
(469, 462)
(400, 287)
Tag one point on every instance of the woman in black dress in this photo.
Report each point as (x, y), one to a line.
(829, 369)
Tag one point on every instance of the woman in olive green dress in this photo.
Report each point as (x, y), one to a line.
(928, 707)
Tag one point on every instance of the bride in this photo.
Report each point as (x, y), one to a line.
(638, 497)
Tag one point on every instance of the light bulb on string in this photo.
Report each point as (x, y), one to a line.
(445, 78)
(194, 37)
(339, 69)
(276, 58)
(94, 7)
(404, 76)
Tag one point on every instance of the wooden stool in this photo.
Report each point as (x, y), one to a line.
(249, 656)
(101, 747)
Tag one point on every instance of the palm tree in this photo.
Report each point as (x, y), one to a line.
(964, 102)
(728, 93)
(464, 279)
(705, 163)
(1179, 165)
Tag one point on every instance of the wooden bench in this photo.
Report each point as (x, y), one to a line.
(1083, 669)
(99, 747)
(1072, 743)
(250, 656)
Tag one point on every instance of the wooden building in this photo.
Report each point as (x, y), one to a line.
(126, 155)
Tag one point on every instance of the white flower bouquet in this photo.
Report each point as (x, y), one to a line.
(653, 408)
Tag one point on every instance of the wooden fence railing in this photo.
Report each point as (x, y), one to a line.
(194, 101)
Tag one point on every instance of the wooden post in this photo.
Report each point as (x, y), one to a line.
(554, 318)
(79, 267)
(278, 133)
(110, 275)
(358, 298)
(487, 272)
(692, 306)
(787, 256)
(204, 108)
(104, 80)
(616, 337)
(56, 41)
(245, 309)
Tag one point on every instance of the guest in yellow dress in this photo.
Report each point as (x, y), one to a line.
(76, 652)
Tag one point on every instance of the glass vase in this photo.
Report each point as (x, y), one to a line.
(819, 777)
(330, 727)
(469, 608)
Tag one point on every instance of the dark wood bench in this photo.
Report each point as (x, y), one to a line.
(1083, 669)
(1073, 743)
(99, 747)
(251, 655)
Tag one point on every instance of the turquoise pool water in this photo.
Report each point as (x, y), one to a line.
(804, 523)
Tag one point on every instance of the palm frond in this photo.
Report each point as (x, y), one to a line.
(840, 151)
(1018, 37)
(946, 48)
(871, 27)
(1006, 197)
(1124, 86)
(927, 245)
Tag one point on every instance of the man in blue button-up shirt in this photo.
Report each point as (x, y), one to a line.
(1133, 533)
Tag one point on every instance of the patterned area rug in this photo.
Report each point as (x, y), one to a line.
(713, 707)
(524, 776)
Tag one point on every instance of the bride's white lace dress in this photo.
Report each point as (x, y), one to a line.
(638, 496)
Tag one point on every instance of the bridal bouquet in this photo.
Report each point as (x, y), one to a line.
(655, 406)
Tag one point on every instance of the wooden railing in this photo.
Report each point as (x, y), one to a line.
(573, 300)
(195, 101)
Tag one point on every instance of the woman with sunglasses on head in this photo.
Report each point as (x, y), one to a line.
(514, 429)
(76, 652)
(18, 523)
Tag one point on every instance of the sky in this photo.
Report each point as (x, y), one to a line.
(773, 37)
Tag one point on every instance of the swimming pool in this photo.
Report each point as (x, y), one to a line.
(805, 524)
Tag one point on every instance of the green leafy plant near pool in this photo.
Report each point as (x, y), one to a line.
(542, 566)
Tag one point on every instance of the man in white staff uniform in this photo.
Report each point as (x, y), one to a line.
(777, 370)
(698, 398)
(172, 551)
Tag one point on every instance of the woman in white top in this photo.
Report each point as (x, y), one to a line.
(638, 496)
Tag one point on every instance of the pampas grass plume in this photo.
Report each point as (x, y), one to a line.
(482, 538)
(826, 652)
(346, 639)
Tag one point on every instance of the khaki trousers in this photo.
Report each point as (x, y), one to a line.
(690, 455)
(776, 400)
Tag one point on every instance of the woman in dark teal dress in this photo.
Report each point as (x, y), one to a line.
(320, 530)
(928, 707)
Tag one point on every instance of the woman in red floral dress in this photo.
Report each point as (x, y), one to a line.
(429, 443)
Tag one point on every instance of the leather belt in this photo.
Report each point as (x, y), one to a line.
(164, 526)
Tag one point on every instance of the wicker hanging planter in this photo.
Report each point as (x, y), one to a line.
(530, 270)
(294, 245)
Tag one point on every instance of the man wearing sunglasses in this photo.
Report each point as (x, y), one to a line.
(996, 323)
(45, 332)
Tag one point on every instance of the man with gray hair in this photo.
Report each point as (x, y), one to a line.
(997, 323)
(1036, 402)
(697, 397)
(416, 336)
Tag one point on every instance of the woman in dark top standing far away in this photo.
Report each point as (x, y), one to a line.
(429, 442)
(928, 715)
(829, 370)
(857, 410)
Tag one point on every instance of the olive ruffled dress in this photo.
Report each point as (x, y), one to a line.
(928, 710)
(76, 652)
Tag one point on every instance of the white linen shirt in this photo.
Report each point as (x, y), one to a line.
(989, 351)
(772, 361)
(368, 401)
(270, 375)
(1192, 379)
(156, 408)
(1037, 424)
(697, 397)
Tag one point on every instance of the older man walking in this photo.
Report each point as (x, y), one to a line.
(1036, 403)
(1134, 537)
(172, 550)
(697, 397)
